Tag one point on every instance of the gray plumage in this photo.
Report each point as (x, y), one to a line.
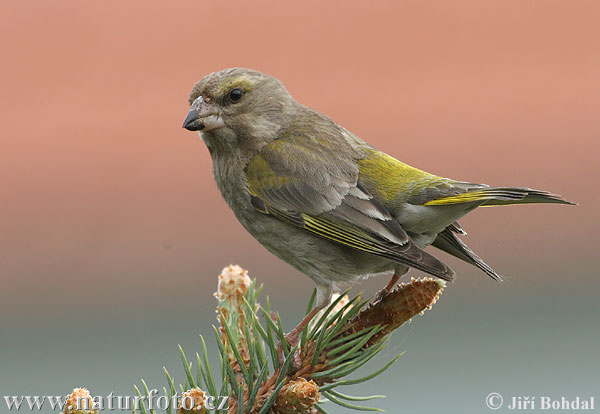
(322, 199)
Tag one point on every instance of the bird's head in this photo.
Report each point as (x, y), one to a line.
(238, 108)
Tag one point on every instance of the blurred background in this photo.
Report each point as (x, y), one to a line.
(113, 231)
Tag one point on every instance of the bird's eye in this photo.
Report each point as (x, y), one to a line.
(235, 94)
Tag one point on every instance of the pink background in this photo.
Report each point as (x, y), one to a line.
(109, 209)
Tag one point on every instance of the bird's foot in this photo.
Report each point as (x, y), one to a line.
(293, 338)
(381, 295)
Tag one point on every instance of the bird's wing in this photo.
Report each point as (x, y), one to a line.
(495, 196)
(397, 183)
(310, 178)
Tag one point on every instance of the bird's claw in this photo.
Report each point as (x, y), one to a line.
(380, 296)
(292, 339)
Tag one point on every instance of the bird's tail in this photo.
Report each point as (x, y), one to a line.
(499, 196)
(450, 243)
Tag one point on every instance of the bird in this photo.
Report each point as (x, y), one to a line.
(325, 201)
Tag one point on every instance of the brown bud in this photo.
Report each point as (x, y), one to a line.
(193, 402)
(232, 287)
(233, 283)
(80, 402)
(297, 396)
(398, 307)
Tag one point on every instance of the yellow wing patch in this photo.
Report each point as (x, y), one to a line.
(459, 199)
(344, 234)
(391, 178)
(261, 176)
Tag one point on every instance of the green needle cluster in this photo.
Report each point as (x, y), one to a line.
(343, 338)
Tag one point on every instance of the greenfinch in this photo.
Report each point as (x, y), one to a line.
(322, 199)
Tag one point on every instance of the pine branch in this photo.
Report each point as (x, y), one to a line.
(340, 340)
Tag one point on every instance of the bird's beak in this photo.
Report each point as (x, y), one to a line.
(203, 116)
